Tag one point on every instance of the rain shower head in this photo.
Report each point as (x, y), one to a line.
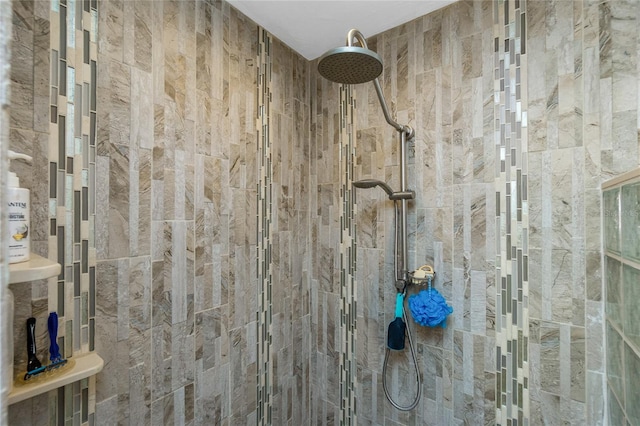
(354, 65)
(350, 65)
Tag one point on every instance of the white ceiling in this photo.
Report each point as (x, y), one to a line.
(311, 27)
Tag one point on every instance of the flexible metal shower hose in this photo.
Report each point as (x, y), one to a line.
(411, 347)
(415, 365)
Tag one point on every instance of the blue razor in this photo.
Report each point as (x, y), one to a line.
(54, 349)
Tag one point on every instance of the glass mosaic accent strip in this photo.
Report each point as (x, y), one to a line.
(348, 311)
(264, 216)
(512, 298)
(71, 241)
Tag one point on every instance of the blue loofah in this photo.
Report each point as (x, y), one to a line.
(429, 308)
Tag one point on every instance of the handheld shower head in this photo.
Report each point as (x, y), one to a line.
(372, 183)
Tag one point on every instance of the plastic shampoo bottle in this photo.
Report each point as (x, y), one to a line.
(19, 225)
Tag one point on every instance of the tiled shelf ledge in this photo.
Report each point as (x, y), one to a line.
(84, 366)
(36, 268)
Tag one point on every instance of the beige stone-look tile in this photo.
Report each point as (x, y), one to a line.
(624, 141)
(550, 342)
(142, 110)
(595, 404)
(143, 40)
(128, 28)
(107, 317)
(41, 65)
(578, 364)
(204, 128)
(144, 196)
(102, 206)
(111, 25)
(139, 403)
(118, 95)
(118, 201)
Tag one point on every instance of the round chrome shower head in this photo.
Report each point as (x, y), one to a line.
(350, 65)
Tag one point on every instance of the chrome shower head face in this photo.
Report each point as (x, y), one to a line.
(350, 65)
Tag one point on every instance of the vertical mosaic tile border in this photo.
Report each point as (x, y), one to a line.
(512, 317)
(264, 215)
(348, 307)
(72, 139)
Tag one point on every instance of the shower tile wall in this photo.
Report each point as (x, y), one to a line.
(326, 180)
(582, 91)
(176, 163)
(285, 276)
(291, 246)
(176, 166)
(53, 120)
(31, 29)
(583, 83)
(435, 82)
(582, 121)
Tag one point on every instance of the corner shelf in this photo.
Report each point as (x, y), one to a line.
(36, 268)
(78, 368)
(84, 366)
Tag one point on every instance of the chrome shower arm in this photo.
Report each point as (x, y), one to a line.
(359, 37)
(354, 33)
(399, 127)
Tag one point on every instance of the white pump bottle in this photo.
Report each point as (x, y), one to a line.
(19, 209)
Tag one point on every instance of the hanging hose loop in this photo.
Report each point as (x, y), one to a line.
(414, 404)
